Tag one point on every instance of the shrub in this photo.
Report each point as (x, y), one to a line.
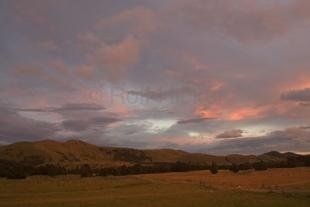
(234, 168)
(214, 168)
(85, 171)
(258, 166)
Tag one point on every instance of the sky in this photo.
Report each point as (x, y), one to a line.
(209, 76)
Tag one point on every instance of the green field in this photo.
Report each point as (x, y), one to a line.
(143, 190)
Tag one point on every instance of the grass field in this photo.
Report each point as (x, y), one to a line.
(277, 187)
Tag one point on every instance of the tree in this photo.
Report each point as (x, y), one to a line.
(214, 168)
(234, 168)
(245, 166)
(13, 170)
(258, 166)
(16, 173)
(85, 171)
(50, 170)
(307, 160)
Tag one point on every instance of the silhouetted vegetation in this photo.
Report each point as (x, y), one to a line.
(50, 170)
(306, 160)
(245, 166)
(234, 168)
(214, 168)
(20, 170)
(150, 168)
(258, 166)
(130, 155)
(85, 171)
(12, 170)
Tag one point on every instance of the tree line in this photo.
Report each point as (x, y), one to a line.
(15, 170)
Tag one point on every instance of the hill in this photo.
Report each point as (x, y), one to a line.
(68, 154)
(75, 153)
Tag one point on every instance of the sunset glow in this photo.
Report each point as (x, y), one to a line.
(209, 76)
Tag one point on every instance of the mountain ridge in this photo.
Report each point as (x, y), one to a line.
(75, 152)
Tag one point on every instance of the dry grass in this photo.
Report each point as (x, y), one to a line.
(290, 179)
(192, 189)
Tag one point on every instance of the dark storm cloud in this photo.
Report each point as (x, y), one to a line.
(305, 127)
(75, 125)
(80, 106)
(156, 112)
(161, 94)
(82, 125)
(193, 120)
(291, 139)
(302, 95)
(66, 108)
(14, 127)
(231, 134)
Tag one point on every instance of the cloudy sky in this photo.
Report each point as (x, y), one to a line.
(213, 76)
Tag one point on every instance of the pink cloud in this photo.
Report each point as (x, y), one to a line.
(115, 60)
(213, 111)
(137, 21)
(85, 71)
(247, 113)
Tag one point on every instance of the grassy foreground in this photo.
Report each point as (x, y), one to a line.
(277, 187)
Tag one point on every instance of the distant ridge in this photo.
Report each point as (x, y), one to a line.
(75, 152)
